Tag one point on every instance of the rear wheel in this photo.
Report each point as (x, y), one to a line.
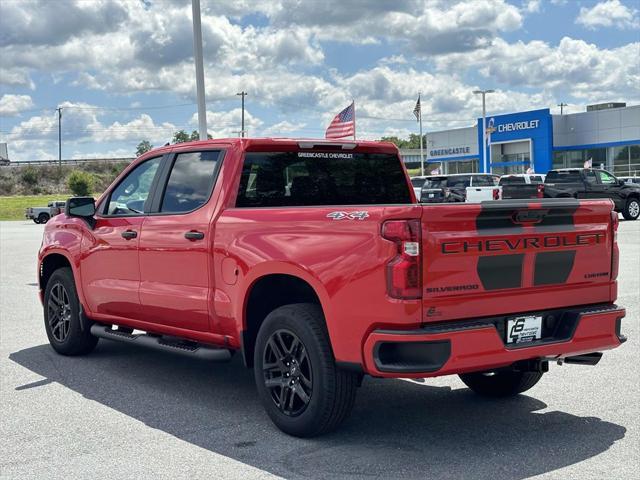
(631, 209)
(36, 221)
(43, 218)
(500, 383)
(303, 391)
(62, 316)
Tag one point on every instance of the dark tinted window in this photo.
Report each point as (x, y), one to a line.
(190, 182)
(417, 182)
(563, 176)
(483, 181)
(512, 181)
(590, 177)
(461, 181)
(277, 179)
(536, 179)
(436, 182)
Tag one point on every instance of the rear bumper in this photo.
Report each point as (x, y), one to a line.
(460, 347)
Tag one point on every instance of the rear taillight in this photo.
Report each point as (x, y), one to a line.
(496, 194)
(615, 253)
(540, 190)
(404, 277)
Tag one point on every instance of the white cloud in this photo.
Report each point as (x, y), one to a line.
(282, 128)
(532, 6)
(610, 13)
(229, 123)
(14, 104)
(575, 65)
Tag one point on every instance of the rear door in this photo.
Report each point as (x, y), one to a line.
(175, 243)
(514, 256)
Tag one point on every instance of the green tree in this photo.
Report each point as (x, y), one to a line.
(29, 176)
(412, 142)
(143, 147)
(181, 136)
(80, 183)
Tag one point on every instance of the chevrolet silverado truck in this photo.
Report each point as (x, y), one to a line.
(313, 261)
(594, 183)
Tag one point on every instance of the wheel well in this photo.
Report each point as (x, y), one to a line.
(50, 264)
(267, 294)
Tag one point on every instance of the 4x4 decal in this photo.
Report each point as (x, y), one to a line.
(360, 215)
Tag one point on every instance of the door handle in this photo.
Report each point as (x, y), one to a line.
(193, 235)
(129, 234)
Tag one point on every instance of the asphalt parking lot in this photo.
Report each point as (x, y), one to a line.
(125, 412)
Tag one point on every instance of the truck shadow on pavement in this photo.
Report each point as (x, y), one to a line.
(397, 429)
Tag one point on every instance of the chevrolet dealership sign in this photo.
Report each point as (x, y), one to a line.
(514, 126)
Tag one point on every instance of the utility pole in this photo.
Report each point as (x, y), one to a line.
(562, 105)
(242, 94)
(59, 109)
(197, 56)
(486, 166)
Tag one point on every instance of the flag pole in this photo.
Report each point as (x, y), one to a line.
(353, 102)
(421, 147)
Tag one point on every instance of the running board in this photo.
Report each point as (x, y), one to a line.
(168, 344)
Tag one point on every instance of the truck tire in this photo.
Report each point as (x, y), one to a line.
(36, 221)
(62, 316)
(303, 391)
(631, 209)
(43, 218)
(500, 383)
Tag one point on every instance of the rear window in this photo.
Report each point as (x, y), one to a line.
(483, 181)
(417, 182)
(563, 177)
(438, 182)
(280, 179)
(512, 181)
(462, 181)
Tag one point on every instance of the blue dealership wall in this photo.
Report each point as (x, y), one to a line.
(535, 125)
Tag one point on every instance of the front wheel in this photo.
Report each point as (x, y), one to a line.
(631, 209)
(303, 391)
(62, 316)
(500, 383)
(43, 218)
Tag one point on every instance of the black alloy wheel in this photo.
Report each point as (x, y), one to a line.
(59, 312)
(287, 372)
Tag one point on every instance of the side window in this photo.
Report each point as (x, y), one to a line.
(190, 181)
(590, 177)
(607, 178)
(131, 194)
(536, 179)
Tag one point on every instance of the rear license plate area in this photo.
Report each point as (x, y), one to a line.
(523, 329)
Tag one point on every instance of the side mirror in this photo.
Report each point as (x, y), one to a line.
(82, 207)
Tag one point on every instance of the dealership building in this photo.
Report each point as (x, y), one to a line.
(608, 134)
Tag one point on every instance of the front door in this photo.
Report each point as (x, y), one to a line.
(175, 245)
(109, 269)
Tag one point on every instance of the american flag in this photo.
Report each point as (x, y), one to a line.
(343, 124)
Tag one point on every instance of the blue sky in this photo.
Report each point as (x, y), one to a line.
(122, 70)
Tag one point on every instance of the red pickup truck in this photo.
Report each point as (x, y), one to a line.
(314, 261)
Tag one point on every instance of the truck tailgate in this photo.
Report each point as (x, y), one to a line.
(515, 256)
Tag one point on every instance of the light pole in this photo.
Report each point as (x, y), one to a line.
(484, 127)
(197, 56)
(59, 109)
(242, 94)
